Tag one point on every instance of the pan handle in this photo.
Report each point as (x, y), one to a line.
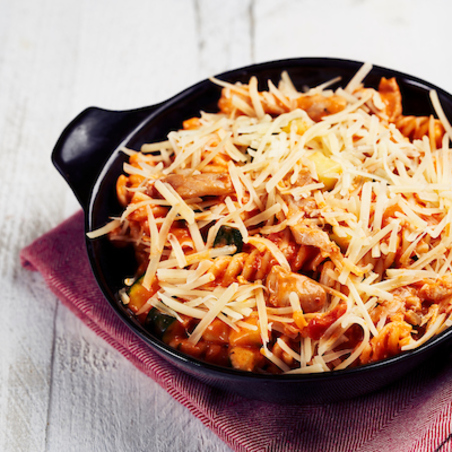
(88, 141)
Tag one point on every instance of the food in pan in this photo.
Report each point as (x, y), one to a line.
(294, 230)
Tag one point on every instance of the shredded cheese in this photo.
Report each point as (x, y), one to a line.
(374, 208)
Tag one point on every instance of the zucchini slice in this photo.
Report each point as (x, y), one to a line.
(229, 236)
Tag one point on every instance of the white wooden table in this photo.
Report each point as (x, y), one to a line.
(61, 387)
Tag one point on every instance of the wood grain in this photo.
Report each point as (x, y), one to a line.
(61, 387)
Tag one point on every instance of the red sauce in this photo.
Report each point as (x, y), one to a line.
(321, 322)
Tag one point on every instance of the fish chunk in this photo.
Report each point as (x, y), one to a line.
(319, 106)
(390, 95)
(437, 290)
(197, 186)
(280, 283)
(309, 236)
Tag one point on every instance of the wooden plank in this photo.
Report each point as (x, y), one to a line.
(25, 366)
(401, 35)
(132, 57)
(31, 204)
(101, 402)
(225, 35)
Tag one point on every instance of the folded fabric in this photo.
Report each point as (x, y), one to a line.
(414, 414)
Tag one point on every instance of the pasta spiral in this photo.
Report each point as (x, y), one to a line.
(416, 127)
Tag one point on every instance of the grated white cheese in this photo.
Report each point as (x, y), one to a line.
(263, 316)
(382, 202)
(109, 227)
(217, 307)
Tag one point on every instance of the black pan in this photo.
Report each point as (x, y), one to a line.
(87, 155)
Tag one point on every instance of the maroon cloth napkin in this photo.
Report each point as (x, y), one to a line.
(414, 414)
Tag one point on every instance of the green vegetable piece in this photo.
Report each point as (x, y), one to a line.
(157, 322)
(229, 236)
(138, 295)
(137, 285)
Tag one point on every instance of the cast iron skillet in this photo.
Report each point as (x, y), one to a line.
(87, 155)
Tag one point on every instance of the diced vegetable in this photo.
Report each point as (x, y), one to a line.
(158, 322)
(229, 236)
(244, 358)
(217, 332)
(245, 337)
(138, 295)
(299, 124)
(327, 169)
(342, 240)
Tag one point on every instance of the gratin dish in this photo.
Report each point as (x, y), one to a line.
(89, 158)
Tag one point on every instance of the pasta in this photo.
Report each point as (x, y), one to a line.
(292, 232)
